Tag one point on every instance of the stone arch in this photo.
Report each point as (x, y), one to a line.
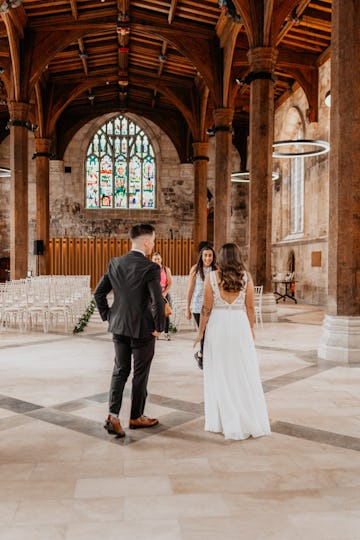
(84, 135)
(291, 261)
(294, 122)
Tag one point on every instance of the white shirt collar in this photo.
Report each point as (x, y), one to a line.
(139, 251)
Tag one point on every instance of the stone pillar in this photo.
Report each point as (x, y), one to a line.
(261, 137)
(340, 340)
(19, 116)
(201, 158)
(223, 133)
(42, 155)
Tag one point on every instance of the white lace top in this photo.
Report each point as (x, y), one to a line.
(220, 303)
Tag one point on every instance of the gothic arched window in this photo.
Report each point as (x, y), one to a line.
(120, 167)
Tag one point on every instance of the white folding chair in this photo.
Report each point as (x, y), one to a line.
(258, 292)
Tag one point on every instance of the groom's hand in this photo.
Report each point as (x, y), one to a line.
(155, 334)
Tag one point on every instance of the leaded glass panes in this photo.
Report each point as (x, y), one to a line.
(92, 187)
(106, 187)
(149, 182)
(120, 167)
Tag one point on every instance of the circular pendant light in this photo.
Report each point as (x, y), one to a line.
(320, 147)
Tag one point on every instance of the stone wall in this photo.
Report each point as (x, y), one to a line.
(309, 247)
(173, 215)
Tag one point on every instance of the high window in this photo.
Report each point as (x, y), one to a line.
(120, 167)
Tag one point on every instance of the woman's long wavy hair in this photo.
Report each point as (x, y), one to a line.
(232, 269)
(200, 265)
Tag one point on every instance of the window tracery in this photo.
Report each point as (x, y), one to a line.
(120, 167)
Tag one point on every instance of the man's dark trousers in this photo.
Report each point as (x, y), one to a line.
(143, 352)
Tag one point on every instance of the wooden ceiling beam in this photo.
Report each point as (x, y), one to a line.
(74, 9)
(172, 11)
(301, 7)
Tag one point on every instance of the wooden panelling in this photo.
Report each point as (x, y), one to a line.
(79, 256)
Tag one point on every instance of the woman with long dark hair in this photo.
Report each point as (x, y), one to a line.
(234, 398)
(194, 297)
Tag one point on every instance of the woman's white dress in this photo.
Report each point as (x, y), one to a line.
(234, 398)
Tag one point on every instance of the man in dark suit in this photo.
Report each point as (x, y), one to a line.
(135, 318)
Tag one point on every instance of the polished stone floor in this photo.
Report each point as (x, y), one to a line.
(62, 477)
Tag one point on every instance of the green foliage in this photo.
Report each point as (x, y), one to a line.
(84, 319)
(172, 328)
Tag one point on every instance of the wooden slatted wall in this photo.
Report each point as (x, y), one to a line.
(83, 256)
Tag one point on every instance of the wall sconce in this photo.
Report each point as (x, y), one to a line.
(328, 98)
(91, 97)
(83, 55)
(8, 4)
(229, 9)
(162, 58)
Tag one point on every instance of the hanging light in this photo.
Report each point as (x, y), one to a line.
(328, 98)
(4, 172)
(244, 177)
(8, 4)
(319, 148)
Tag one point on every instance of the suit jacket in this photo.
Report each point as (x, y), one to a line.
(138, 307)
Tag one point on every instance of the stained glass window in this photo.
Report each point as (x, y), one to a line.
(120, 167)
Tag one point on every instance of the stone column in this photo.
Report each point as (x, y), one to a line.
(19, 116)
(340, 340)
(223, 133)
(261, 137)
(201, 158)
(42, 155)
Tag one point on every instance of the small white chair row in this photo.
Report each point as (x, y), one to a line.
(45, 300)
(178, 304)
(258, 292)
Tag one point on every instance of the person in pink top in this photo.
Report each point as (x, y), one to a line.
(165, 284)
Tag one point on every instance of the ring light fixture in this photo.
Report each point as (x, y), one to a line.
(4, 172)
(244, 177)
(321, 147)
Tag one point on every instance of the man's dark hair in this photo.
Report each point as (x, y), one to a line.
(140, 230)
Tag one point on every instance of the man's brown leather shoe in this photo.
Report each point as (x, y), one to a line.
(113, 426)
(143, 422)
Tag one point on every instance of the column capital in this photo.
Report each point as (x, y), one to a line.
(201, 150)
(223, 117)
(262, 59)
(42, 147)
(19, 111)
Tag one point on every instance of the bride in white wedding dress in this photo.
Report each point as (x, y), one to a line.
(234, 398)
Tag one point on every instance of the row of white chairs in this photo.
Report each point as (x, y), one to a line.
(178, 304)
(44, 301)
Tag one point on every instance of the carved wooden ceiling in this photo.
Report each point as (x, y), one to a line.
(165, 59)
